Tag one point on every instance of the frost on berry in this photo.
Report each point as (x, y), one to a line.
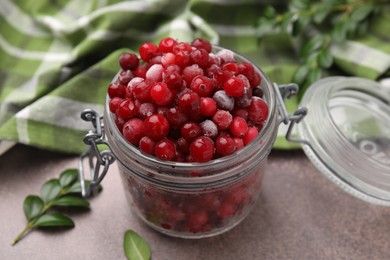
(209, 128)
(223, 100)
(155, 72)
(226, 56)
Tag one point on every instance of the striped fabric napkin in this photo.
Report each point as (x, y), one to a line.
(58, 57)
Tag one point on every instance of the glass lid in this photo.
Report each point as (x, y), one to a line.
(346, 134)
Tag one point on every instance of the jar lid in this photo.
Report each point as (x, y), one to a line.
(346, 134)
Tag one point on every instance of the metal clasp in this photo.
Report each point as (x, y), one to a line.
(283, 92)
(96, 159)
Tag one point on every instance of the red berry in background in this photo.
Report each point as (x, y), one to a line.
(128, 61)
(208, 106)
(196, 220)
(114, 103)
(182, 47)
(190, 131)
(133, 130)
(156, 127)
(234, 87)
(116, 89)
(238, 127)
(161, 94)
(201, 43)
(226, 210)
(182, 145)
(146, 145)
(202, 149)
(125, 76)
(255, 80)
(189, 103)
(257, 110)
(200, 57)
(167, 44)
(225, 145)
(147, 51)
(250, 135)
(202, 85)
(127, 109)
(222, 119)
(165, 150)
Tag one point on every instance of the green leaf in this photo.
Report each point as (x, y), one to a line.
(300, 24)
(76, 187)
(265, 26)
(361, 13)
(325, 58)
(135, 247)
(269, 11)
(312, 45)
(300, 4)
(287, 20)
(314, 75)
(54, 220)
(300, 74)
(71, 201)
(321, 13)
(32, 206)
(339, 32)
(68, 176)
(50, 190)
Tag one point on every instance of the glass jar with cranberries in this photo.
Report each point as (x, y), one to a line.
(191, 126)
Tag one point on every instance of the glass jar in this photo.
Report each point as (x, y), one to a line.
(195, 200)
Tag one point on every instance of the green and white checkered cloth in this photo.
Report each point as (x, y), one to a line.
(58, 57)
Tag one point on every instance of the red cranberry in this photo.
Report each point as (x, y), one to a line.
(190, 72)
(208, 106)
(209, 128)
(202, 149)
(225, 145)
(156, 127)
(133, 130)
(173, 79)
(250, 135)
(116, 89)
(176, 118)
(142, 90)
(127, 109)
(140, 71)
(189, 103)
(154, 73)
(168, 59)
(239, 142)
(202, 85)
(234, 87)
(128, 61)
(182, 47)
(182, 59)
(258, 110)
(222, 119)
(201, 43)
(114, 103)
(125, 76)
(200, 57)
(161, 94)
(165, 150)
(147, 144)
(167, 44)
(190, 131)
(146, 109)
(238, 127)
(148, 51)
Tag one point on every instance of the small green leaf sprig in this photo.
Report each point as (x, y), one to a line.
(323, 23)
(55, 193)
(135, 247)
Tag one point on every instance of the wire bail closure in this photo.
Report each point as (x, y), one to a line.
(99, 161)
(283, 92)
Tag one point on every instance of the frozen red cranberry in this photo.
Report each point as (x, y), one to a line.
(239, 142)
(241, 112)
(202, 85)
(182, 145)
(142, 91)
(200, 57)
(147, 144)
(223, 100)
(133, 130)
(258, 92)
(167, 44)
(190, 131)
(182, 59)
(190, 72)
(255, 80)
(168, 59)
(202, 149)
(127, 109)
(173, 79)
(196, 220)
(209, 128)
(156, 126)
(165, 150)
(232, 67)
(201, 43)
(238, 127)
(257, 110)
(208, 106)
(154, 73)
(182, 47)
(140, 71)
(176, 118)
(146, 109)
(128, 61)
(222, 119)
(189, 103)
(226, 56)
(116, 89)
(161, 94)
(114, 103)
(125, 76)
(148, 51)
(226, 209)
(225, 145)
(250, 135)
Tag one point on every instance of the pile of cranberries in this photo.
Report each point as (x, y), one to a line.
(181, 102)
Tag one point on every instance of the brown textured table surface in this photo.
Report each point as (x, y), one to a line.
(300, 215)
